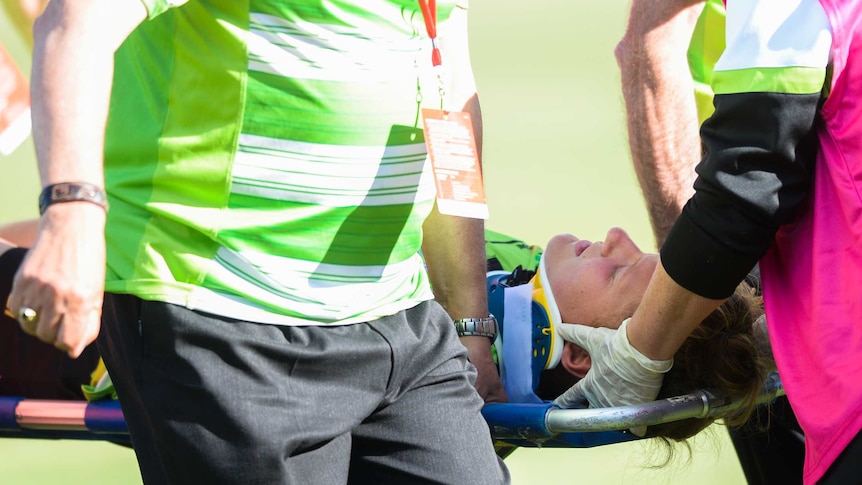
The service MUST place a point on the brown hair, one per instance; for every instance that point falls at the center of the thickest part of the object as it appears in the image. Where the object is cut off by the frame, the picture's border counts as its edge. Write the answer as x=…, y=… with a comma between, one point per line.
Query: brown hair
x=725, y=354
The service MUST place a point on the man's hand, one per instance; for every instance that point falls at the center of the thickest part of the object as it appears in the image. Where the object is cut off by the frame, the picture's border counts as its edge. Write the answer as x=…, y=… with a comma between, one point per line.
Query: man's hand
x=62, y=279
x=488, y=382
x=620, y=374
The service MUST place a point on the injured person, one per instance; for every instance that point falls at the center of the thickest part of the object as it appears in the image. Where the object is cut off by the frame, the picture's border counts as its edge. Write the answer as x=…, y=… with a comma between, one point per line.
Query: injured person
x=591, y=283
x=531, y=293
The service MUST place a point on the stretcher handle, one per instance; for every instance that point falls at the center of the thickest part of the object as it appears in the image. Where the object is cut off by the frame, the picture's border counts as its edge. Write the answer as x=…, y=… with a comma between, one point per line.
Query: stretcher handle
x=699, y=404
x=541, y=421
x=100, y=417
x=506, y=420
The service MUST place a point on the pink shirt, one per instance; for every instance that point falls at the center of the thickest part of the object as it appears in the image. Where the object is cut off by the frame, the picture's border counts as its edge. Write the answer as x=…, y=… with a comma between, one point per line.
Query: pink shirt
x=812, y=276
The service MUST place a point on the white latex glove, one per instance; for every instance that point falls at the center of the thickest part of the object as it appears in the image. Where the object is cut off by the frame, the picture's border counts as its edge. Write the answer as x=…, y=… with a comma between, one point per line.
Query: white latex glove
x=620, y=375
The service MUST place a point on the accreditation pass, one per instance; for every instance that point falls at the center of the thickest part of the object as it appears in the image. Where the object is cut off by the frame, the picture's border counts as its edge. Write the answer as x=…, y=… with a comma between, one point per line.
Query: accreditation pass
x=452, y=150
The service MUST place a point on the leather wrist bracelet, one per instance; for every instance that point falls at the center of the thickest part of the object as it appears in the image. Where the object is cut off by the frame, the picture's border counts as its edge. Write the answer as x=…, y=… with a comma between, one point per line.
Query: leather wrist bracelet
x=477, y=327
x=72, y=192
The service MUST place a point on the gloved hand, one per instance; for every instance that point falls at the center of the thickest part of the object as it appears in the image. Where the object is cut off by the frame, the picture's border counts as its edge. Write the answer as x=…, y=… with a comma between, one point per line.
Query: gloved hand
x=620, y=375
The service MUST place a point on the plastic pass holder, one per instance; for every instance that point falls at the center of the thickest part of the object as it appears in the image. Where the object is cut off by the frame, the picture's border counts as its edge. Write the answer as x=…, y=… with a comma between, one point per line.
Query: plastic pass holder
x=454, y=159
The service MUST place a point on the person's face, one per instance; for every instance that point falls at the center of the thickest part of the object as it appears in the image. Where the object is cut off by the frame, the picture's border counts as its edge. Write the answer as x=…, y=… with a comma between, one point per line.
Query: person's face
x=598, y=284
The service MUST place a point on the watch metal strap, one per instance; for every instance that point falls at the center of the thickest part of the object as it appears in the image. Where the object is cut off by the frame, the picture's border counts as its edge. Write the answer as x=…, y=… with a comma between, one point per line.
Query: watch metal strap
x=72, y=192
x=477, y=327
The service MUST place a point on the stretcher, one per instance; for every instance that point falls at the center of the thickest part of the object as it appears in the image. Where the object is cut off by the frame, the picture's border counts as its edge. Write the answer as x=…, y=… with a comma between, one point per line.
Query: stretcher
x=525, y=425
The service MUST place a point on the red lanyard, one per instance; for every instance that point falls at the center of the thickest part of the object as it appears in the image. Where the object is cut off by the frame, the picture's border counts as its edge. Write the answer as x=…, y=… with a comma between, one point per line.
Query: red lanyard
x=429, y=13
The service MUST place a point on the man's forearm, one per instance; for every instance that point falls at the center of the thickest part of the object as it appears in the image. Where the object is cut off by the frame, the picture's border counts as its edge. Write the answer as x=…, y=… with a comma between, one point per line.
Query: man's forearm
x=659, y=97
x=454, y=248
x=62, y=278
x=455, y=252
x=71, y=84
x=666, y=317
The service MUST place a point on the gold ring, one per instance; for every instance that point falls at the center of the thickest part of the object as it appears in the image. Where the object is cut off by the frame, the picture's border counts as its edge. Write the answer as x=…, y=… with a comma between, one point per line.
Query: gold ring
x=27, y=315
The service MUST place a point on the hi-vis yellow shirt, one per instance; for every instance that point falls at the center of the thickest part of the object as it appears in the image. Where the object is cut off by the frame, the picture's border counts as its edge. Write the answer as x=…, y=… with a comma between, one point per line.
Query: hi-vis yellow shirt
x=265, y=162
x=707, y=44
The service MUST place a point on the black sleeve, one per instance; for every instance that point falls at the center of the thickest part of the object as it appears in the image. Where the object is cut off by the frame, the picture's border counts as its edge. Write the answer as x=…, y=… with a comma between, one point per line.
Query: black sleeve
x=759, y=153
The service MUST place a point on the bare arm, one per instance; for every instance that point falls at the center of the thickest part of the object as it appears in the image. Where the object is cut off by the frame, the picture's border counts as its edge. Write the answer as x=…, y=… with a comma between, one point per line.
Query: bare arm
x=659, y=97
x=454, y=247
x=666, y=316
x=21, y=233
x=62, y=278
x=5, y=246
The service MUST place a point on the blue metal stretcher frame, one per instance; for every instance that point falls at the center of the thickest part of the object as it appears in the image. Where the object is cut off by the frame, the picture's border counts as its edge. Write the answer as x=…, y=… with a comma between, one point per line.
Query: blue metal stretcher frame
x=528, y=425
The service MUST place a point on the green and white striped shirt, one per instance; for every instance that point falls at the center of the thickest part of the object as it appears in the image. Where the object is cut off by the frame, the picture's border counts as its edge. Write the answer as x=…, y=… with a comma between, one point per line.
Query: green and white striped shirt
x=265, y=162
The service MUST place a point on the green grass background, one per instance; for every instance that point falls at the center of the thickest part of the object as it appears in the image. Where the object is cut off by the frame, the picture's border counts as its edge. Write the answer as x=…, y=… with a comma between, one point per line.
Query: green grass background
x=556, y=160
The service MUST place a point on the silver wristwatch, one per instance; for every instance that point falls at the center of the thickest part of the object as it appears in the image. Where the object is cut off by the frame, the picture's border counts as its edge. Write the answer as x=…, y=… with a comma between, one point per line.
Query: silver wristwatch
x=477, y=327
x=72, y=192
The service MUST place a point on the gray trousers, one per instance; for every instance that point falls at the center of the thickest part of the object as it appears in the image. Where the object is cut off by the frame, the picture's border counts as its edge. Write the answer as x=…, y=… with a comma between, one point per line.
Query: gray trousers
x=211, y=400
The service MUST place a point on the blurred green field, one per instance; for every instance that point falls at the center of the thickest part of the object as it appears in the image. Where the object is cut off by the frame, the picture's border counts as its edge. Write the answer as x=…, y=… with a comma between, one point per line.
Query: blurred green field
x=556, y=160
